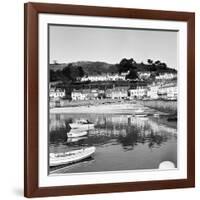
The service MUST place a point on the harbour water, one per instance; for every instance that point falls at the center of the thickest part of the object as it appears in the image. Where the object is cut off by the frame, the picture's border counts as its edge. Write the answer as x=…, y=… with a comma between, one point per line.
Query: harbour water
x=123, y=141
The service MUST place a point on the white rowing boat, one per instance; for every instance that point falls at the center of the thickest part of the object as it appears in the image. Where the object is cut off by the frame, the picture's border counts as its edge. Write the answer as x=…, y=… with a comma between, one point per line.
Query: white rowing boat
x=141, y=115
x=76, y=133
x=81, y=126
x=75, y=139
x=156, y=115
x=57, y=159
x=139, y=111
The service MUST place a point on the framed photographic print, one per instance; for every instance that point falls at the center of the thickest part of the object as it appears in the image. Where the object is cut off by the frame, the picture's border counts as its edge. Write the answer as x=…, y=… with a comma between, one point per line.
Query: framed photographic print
x=109, y=99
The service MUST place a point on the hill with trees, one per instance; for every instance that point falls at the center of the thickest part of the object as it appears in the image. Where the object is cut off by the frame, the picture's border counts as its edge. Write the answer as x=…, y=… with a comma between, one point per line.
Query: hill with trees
x=73, y=71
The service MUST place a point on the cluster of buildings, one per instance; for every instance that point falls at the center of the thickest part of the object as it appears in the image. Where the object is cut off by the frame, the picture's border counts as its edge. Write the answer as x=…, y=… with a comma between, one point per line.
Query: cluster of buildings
x=142, y=75
x=105, y=77
x=154, y=91
x=166, y=76
x=93, y=94
x=164, y=87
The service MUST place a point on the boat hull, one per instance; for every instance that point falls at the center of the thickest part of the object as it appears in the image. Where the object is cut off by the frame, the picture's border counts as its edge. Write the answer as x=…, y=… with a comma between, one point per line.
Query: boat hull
x=70, y=157
x=82, y=126
x=73, y=134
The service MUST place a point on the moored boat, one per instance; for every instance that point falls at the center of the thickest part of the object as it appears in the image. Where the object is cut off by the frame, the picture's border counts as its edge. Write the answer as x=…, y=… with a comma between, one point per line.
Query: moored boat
x=140, y=115
x=76, y=133
x=139, y=111
x=82, y=125
x=144, y=118
x=75, y=139
x=156, y=115
x=57, y=159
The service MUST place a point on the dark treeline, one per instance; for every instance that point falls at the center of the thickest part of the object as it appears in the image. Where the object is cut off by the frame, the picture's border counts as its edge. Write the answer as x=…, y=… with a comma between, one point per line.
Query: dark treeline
x=69, y=73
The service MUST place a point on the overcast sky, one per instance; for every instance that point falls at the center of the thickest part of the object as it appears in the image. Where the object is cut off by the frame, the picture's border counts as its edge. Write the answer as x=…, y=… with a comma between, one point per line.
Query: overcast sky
x=71, y=44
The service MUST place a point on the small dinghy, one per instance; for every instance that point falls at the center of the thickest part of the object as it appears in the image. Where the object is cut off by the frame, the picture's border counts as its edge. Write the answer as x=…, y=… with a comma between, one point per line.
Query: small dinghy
x=156, y=115
x=141, y=115
x=144, y=118
x=75, y=139
x=138, y=111
x=57, y=159
x=76, y=133
x=82, y=125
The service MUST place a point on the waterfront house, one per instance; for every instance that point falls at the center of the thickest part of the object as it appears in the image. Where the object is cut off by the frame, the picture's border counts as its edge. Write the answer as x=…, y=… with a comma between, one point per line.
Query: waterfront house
x=92, y=94
x=168, y=91
x=152, y=92
x=79, y=94
x=138, y=92
x=84, y=94
x=120, y=92
x=56, y=93
x=108, y=93
x=76, y=95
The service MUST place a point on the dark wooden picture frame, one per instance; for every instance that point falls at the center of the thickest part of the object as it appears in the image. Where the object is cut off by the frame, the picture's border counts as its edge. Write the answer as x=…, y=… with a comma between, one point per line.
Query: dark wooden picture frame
x=31, y=105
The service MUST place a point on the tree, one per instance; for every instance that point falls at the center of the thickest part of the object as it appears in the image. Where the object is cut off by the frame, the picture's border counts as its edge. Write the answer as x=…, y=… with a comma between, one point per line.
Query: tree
x=52, y=75
x=67, y=72
x=132, y=75
x=157, y=62
x=163, y=65
x=81, y=72
x=126, y=64
x=150, y=61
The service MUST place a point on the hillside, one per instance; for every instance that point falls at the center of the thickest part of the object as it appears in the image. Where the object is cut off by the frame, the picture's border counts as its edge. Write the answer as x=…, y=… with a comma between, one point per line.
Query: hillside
x=72, y=71
x=90, y=68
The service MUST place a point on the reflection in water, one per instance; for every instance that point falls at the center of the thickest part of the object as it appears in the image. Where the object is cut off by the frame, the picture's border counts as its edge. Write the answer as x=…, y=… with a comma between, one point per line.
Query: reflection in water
x=115, y=136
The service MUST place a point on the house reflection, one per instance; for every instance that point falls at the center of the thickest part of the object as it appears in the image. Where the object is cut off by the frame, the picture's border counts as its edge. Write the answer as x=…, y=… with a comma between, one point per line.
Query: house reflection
x=126, y=130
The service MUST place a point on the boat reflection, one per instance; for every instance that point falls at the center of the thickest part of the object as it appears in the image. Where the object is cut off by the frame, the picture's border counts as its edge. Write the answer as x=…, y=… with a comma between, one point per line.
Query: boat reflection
x=122, y=139
x=124, y=129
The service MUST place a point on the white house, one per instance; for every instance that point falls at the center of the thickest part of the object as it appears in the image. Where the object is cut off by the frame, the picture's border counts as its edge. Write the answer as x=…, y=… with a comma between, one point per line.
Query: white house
x=84, y=94
x=56, y=93
x=138, y=92
x=77, y=95
x=144, y=75
x=165, y=76
x=94, y=78
x=104, y=77
x=117, y=92
x=152, y=91
x=168, y=91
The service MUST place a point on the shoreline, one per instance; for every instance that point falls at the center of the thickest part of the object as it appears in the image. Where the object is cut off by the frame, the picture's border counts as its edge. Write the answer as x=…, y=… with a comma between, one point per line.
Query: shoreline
x=111, y=108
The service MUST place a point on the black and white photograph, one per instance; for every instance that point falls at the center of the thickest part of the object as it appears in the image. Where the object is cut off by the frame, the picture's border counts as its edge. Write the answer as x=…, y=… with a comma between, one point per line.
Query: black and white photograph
x=113, y=96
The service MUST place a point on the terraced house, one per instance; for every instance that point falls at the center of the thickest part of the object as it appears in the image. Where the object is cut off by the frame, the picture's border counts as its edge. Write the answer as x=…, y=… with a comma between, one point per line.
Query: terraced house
x=168, y=91
x=117, y=92
x=138, y=92
x=56, y=93
x=105, y=77
x=84, y=94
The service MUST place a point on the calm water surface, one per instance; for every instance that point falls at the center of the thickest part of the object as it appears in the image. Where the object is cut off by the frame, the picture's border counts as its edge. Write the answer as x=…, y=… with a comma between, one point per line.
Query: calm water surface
x=122, y=141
